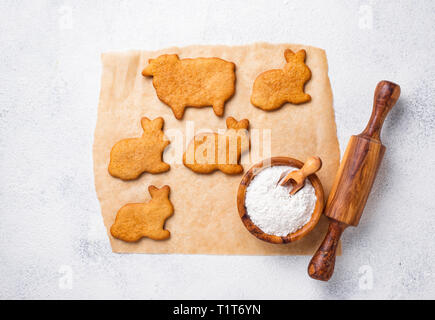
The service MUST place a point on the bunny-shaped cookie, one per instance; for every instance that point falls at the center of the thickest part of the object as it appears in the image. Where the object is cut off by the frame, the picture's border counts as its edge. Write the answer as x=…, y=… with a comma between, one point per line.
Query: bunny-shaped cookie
x=275, y=87
x=129, y=158
x=209, y=152
x=137, y=220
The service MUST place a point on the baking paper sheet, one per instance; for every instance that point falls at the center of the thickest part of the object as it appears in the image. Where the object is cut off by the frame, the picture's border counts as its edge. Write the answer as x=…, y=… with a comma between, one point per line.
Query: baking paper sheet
x=206, y=219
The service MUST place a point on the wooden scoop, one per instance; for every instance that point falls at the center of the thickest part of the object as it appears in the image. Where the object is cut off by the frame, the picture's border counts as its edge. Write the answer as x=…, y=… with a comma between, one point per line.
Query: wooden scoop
x=241, y=196
x=354, y=181
x=297, y=177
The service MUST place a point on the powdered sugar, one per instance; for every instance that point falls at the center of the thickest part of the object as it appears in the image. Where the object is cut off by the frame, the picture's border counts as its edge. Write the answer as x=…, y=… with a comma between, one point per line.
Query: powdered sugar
x=272, y=209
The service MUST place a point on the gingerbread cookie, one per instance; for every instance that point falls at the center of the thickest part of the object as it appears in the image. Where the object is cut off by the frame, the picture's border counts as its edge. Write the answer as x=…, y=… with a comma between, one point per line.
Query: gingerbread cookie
x=209, y=152
x=137, y=220
x=130, y=158
x=199, y=82
x=273, y=88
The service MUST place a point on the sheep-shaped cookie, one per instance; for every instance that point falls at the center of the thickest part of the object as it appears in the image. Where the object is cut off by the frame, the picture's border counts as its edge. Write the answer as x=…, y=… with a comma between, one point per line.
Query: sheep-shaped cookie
x=129, y=158
x=209, y=152
x=199, y=82
x=273, y=88
x=137, y=220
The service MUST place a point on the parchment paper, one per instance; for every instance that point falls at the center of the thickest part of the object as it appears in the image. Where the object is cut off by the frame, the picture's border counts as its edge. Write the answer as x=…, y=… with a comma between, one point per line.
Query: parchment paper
x=206, y=219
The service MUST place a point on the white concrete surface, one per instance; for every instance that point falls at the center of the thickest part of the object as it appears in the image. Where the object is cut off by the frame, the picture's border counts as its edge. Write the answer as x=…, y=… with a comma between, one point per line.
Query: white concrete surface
x=52, y=240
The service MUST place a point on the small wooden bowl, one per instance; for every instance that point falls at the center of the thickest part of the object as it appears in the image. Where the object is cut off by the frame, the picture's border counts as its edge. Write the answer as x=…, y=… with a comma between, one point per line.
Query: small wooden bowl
x=256, y=231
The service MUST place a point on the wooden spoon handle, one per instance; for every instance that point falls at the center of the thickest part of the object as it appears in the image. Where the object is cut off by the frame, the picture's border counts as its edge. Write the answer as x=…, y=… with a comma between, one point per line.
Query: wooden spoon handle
x=322, y=264
x=386, y=95
x=311, y=166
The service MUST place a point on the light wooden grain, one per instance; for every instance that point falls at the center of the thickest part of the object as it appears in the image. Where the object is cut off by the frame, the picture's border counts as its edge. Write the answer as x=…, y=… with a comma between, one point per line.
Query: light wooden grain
x=354, y=181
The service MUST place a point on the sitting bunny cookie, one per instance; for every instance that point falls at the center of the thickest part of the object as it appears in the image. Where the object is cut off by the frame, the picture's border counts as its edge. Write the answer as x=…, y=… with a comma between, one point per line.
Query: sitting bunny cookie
x=130, y=158
x=137, y=220
x=199, y=82
x=273, y=88
x=209, y=152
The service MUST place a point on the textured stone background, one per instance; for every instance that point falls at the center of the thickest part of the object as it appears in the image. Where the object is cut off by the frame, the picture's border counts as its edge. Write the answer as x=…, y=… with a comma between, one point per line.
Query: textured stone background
x=52, y=240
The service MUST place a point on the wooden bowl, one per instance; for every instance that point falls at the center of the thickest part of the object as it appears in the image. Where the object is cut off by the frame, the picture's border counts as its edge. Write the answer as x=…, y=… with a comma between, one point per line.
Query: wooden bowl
x=256, y=231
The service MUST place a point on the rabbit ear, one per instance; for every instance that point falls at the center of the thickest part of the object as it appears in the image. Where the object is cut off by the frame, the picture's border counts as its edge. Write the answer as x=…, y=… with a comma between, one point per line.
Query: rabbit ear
x=243, y=124
x=300, y=55
x=288, y=55
x=231, y=123
x=157, y=123
x=156, y=192
x=153, y=191
x=145, y=122
x=234, y=124
x=164, y=191
x=148, y=71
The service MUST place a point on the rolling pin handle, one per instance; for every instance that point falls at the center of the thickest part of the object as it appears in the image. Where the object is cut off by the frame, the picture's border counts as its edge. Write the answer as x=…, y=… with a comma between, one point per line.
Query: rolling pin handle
x=386, y=95
x=322, y=264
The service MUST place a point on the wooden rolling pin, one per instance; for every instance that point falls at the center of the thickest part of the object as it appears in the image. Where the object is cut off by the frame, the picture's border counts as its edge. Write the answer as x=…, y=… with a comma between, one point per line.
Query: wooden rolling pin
x=354, y=181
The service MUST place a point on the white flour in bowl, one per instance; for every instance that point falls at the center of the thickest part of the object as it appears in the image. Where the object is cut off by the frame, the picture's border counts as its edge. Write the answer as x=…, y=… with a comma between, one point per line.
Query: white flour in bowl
x=272, y=208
